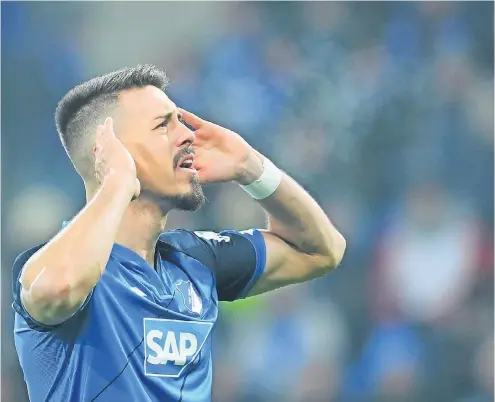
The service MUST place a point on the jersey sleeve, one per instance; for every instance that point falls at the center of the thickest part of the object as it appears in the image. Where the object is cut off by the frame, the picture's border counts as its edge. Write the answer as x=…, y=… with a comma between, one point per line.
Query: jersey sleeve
x=16, y=294
x=237, y=259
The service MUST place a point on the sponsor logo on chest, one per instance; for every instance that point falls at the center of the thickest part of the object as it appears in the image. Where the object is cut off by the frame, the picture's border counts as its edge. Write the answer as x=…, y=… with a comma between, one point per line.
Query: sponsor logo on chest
x=171, y=345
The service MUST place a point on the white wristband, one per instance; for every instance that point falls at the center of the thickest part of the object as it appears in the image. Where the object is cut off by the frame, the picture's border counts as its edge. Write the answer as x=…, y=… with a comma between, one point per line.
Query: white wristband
x=267, y=183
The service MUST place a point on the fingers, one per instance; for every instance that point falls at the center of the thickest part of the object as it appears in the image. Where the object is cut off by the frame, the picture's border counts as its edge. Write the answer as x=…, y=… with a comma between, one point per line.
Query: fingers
x=105, y=131
x=201, y=168
x=191, y=119
x=108, y=128
x=199, y=141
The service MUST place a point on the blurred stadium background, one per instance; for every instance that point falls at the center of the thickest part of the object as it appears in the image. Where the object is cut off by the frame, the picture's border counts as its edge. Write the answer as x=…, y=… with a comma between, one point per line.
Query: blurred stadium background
x=383, y=111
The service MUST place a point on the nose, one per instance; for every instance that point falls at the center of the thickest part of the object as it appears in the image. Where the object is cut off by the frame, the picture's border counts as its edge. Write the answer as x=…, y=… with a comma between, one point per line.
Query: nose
x=186, y=137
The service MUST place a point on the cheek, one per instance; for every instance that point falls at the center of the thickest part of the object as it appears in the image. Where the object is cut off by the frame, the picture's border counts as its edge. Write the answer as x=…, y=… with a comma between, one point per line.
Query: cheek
x=152, y=159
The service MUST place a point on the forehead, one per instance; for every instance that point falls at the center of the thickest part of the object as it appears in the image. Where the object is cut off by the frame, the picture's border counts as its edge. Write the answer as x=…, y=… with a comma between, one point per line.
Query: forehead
x=145, y=103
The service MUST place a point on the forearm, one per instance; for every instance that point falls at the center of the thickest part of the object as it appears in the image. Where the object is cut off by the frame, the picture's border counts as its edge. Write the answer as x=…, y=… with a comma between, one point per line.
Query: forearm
x=297, y=218
x=67, y=268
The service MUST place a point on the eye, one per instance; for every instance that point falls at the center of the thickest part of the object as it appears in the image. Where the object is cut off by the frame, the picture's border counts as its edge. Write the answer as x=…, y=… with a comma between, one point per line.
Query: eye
x=164, y=123
x=181, y=119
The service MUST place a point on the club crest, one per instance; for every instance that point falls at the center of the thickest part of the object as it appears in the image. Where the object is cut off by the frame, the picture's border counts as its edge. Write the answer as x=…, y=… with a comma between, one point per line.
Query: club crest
x=191, y=299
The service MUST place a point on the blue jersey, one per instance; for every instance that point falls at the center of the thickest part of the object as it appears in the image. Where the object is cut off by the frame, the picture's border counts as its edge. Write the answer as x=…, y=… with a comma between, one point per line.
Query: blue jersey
x=143, y=334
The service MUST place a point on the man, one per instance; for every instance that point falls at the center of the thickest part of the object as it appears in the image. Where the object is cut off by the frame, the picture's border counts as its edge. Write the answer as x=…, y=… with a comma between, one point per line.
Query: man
x=115, y=309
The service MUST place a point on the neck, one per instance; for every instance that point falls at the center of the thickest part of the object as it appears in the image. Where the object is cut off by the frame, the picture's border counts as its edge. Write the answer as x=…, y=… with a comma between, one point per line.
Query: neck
x=143, y=222
x=141, y=225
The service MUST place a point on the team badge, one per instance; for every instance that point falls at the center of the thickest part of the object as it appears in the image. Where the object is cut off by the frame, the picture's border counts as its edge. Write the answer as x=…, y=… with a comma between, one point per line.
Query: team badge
x=191, y=299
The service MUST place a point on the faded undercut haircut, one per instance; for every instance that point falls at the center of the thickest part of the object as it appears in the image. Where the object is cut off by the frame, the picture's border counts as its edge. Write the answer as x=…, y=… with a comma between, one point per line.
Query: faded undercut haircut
x=88, y=104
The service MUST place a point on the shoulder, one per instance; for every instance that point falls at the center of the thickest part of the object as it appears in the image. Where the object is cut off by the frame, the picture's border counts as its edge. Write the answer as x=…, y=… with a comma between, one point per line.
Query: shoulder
x=192, y=243
x=236, y=258
x=186, y=240
x=213, y=248
x=207, y=243
x=208, y=247
x=183, y=239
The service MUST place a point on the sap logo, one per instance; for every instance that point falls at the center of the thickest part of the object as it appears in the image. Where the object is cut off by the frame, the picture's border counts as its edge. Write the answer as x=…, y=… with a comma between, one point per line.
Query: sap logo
x=171, y=351
x=171, y=345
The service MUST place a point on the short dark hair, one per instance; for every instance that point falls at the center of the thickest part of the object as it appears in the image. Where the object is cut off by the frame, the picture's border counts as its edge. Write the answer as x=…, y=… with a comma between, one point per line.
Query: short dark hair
x=83, y=107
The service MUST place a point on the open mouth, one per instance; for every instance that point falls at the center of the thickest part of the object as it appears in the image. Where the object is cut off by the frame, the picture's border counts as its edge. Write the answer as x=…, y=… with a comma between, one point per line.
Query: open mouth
x=186, y=162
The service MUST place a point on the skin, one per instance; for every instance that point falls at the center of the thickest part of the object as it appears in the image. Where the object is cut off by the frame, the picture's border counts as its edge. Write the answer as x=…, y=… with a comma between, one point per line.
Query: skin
x=137, y=183
x=150, y=129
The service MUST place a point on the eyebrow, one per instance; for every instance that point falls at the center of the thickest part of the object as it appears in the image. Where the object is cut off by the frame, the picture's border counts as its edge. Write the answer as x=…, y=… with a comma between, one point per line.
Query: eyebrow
x=164, y=116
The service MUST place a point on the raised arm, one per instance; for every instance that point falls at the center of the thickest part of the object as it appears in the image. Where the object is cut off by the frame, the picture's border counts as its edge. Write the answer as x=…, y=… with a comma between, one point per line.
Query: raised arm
x=301, y=242
x=59, y=277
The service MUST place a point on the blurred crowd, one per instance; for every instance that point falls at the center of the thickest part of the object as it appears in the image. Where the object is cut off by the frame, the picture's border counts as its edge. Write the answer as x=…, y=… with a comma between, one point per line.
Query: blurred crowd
x=382, y=111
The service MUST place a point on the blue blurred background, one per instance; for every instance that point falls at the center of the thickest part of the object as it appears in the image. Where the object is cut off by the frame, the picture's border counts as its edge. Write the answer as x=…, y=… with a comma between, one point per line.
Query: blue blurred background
x=383, y=111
